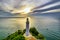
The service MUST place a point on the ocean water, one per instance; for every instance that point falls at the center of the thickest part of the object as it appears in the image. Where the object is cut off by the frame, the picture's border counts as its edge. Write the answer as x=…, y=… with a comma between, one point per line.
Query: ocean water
x=46, y=25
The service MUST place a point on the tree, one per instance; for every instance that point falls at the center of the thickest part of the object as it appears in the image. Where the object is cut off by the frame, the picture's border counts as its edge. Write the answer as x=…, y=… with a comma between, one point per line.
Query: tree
x=20, y=37
x=33, y=31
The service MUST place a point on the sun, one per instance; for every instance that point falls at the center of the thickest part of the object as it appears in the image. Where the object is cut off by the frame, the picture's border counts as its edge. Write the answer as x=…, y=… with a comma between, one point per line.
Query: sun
x=23, y=10
x=27, y=10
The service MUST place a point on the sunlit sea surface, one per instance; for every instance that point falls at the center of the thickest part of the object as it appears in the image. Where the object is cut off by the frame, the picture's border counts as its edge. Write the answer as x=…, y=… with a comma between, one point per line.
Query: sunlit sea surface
x=48, y=26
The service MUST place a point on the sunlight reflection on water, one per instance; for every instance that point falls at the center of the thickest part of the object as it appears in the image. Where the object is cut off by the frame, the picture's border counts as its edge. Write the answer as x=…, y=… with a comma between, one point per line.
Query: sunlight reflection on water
x=45, y=25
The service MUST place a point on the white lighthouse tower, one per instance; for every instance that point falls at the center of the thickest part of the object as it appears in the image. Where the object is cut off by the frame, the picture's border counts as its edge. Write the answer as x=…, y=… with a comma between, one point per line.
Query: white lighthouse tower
x=27, y=27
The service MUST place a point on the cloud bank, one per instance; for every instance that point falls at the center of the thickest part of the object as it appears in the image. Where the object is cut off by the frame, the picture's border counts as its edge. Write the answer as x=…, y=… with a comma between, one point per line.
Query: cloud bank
x=9, y=5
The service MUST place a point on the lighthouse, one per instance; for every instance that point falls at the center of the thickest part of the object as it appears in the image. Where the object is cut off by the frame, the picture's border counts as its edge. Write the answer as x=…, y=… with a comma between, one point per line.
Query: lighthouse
x=27, y=27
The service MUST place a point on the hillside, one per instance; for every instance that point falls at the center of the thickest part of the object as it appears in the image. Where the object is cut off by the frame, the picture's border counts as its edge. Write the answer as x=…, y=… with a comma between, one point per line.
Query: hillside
x=18, y=35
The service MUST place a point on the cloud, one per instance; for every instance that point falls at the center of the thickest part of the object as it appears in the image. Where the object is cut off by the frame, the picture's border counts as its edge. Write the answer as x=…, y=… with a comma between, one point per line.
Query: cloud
x=49, y=6
x=8, y=5
x=55, y=10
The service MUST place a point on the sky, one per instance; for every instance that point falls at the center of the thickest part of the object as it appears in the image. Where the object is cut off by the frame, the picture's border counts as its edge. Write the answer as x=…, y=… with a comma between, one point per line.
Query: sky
x=48, y=9
x=40, y=6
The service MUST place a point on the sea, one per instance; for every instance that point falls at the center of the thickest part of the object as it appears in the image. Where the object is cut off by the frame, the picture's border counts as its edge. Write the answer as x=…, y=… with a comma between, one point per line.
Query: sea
x=47, y=24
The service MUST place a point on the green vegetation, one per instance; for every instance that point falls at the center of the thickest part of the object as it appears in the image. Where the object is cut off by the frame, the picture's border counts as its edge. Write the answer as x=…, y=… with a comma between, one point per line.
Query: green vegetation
x=36, y=34
x=18, y=35
x=33, y=31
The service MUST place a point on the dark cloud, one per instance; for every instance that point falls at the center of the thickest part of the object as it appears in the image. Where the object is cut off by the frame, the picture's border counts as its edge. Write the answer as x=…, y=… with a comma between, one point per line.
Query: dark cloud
x=8, y=5
x=51, y=2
